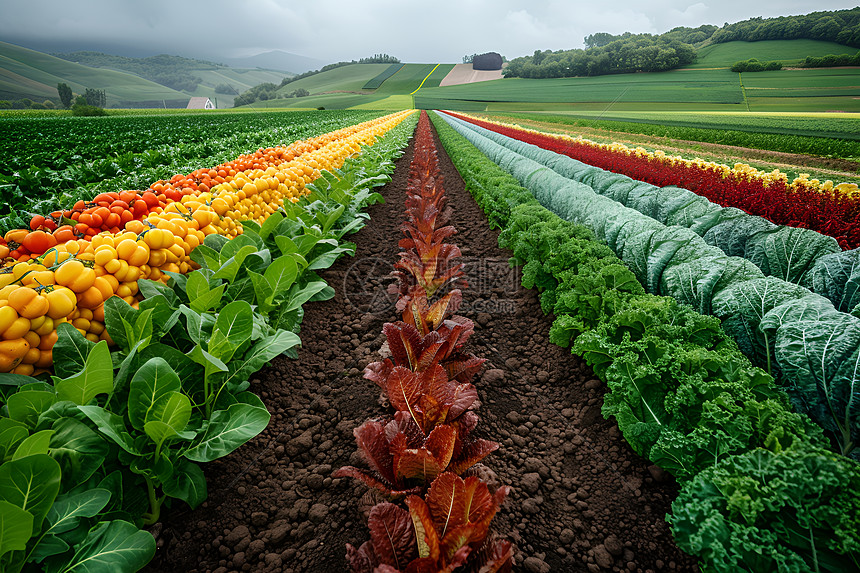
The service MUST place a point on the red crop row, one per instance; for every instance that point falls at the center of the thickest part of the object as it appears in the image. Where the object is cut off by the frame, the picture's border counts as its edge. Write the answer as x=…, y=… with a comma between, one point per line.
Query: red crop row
x=833, y=214
x=422, y=455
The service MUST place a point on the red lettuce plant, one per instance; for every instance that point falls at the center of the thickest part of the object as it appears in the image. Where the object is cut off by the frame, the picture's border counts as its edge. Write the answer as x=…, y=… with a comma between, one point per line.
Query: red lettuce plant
x=437, y=533
x=428, y=441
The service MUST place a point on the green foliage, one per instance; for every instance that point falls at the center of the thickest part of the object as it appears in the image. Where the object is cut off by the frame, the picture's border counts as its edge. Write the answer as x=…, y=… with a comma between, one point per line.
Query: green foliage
x=831, y=60
x=841, y=26
x=754, y=473
x=37, y=176
x=89, y=458
x=772, y=511
x=84, y=110
x=753, y=65
x=624, y=54
x=95, y=98
x=65, y=93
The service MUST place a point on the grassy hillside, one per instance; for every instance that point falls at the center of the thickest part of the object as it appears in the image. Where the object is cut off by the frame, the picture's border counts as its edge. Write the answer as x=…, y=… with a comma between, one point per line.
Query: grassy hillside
x=787, y=51
x=27, y=73
x=345, y=78
x=410, y=76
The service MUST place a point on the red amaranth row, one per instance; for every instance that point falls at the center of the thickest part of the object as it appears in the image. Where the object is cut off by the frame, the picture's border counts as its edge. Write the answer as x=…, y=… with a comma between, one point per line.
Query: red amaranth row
x=831, y=214
x=422, y=455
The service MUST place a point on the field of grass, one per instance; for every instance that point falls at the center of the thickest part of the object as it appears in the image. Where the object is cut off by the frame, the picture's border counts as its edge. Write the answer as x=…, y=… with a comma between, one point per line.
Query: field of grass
x=384, y=75
x=786, y=51
x=410, y=76
x=346, y=78
x=666, y=87
x=28, y=73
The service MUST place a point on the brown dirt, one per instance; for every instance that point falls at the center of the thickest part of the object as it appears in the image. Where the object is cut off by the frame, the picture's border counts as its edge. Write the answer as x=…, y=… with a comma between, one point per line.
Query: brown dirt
x=833, y=167
x=581, y=501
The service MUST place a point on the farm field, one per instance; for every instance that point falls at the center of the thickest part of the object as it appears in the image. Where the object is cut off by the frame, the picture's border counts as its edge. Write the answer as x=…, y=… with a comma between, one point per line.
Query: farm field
x=258, y=340
x=786, y=51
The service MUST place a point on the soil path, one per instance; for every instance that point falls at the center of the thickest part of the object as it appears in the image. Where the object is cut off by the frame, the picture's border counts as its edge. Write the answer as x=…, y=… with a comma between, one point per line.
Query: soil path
x=466, y=74
x=581, y=501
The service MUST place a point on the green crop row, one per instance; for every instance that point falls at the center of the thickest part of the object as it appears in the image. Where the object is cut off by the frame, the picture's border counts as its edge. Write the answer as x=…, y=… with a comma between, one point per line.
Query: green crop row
x=814, y=349
x=759, y=490
x=42, y=179
x=93, y=453
x=824, y=139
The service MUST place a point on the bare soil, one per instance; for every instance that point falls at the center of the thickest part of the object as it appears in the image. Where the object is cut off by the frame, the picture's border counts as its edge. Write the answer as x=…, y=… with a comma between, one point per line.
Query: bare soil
x=581, y=500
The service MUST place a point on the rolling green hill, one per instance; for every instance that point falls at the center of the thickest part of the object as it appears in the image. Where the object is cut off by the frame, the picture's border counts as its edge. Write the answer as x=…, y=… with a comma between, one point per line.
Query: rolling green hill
x=35, y=75
x=26, y=73
x=786, y=51
x=346, y=78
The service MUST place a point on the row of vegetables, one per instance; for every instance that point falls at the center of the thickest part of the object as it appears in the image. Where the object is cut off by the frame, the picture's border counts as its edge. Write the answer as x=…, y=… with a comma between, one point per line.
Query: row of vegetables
x=160, y=229
x=50, y=163
x=94, y=451
x=761, y=490
x=832, y=210
x=802, y=339
x=421, y=457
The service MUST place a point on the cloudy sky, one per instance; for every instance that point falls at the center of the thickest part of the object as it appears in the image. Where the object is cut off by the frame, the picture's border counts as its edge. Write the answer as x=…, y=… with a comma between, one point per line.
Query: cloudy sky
x=333, y=30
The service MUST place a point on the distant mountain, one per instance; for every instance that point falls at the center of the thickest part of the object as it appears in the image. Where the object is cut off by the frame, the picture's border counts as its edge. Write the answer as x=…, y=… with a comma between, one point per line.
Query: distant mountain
x=276, y=60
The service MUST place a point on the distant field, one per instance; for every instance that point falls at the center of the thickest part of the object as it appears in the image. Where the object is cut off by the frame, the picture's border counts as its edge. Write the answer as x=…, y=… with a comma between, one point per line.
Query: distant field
x=346, y=78
x=386, y=73
x=838, y=125
x=786, y=51
x=411, y=75
x=666, y=87
x=28, y=73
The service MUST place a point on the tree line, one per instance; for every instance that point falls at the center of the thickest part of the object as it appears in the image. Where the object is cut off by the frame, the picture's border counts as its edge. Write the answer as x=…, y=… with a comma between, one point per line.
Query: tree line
x=606, y=53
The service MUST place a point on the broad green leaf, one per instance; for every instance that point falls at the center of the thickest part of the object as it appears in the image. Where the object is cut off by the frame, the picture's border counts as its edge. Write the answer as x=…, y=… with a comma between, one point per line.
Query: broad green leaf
x=270, y=224
x=216, y=241
x=238, y=244
x=228, y=429
x=201, y=295
x=281, y=274
x=187, y=483
x=120, y=318
x=233, y=328
x=163, y=316
x=309, y=292
x=151, y=289
x=11, y=433
x=16, y=527
x=68, y=510
x=209, y=362
x=837, y=277
x=11, y=383
x=206, y=257
x=26, y=406
x=38, y=443
x=821, y=360
x=286, y=245
x=231, y=265
x=152, y=381
x=261, y=353
x=96, y=378
x=79, y=450
x=328, y=258
x=110, y=547
x=263, y=291
x=111, y=426
x=168, y=418
x=31, y=483
x=70, y=351
x=188, y=371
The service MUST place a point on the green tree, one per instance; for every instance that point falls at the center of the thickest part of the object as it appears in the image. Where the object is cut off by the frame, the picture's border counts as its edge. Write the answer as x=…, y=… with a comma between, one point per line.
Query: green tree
x=95, y=97
x=65, y=94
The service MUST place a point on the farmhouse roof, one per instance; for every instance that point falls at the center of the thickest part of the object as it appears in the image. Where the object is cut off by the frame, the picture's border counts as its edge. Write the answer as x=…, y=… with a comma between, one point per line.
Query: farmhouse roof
x=200, y=103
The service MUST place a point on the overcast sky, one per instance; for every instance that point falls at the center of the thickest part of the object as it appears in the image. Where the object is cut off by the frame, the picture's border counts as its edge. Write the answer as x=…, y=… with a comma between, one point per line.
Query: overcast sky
x=333, y=30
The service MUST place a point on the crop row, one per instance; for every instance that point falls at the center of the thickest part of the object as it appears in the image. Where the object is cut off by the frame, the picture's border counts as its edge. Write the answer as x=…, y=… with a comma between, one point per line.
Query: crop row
x=96, y=450
x=422, y=455
x=801, y=338
x=760, y=133
x=799, y=256
x=759, y=490
x=39, y=175
x=804, y=203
